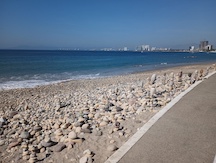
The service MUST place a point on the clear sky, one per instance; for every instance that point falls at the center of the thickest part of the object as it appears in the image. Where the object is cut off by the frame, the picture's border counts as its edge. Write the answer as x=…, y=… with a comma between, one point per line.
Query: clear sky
x=88, y=24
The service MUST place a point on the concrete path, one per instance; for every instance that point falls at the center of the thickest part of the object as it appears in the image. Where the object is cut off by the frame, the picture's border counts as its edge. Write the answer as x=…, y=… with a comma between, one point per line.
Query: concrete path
x=185, y=134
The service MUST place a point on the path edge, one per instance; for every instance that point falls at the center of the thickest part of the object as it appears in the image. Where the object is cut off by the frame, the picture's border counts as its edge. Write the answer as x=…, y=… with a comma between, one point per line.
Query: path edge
x=117, y=155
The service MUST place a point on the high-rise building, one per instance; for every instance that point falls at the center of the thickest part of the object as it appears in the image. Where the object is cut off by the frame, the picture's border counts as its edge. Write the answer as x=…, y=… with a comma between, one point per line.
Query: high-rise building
x=209, y=47
x=145, y=48
x=203, y=45
x=191, y=48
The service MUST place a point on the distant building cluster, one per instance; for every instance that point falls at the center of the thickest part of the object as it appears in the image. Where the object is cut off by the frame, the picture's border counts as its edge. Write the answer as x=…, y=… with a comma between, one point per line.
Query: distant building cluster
x=203, y=46
x=145, y=48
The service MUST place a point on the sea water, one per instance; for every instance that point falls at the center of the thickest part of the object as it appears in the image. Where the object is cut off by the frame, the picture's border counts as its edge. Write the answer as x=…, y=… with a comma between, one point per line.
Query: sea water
x=29, y=68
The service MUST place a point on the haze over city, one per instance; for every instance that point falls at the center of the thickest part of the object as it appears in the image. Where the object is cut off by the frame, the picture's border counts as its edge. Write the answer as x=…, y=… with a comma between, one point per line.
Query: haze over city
x=100, y=24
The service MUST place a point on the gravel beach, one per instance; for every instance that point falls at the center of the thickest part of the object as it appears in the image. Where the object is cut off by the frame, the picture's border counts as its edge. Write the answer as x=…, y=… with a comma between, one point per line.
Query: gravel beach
x=86, y=120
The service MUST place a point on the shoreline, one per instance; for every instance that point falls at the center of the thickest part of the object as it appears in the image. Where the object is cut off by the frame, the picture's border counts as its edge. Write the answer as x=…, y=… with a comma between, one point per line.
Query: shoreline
x=108, y=77
x=91, y=118
x=48, y=83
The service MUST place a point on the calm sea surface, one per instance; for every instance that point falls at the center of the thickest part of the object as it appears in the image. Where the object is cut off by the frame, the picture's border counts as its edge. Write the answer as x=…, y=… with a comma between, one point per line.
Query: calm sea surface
x=28, y=68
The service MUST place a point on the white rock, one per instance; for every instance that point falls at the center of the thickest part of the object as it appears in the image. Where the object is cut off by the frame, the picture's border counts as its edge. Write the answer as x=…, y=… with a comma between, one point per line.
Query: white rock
x=153, y=79
x=112, y=147
x=81, y=119
x=78, y=129
x=72, y=135
x=97, y=115
x=87, y=152
x=121, y=133
x=112, y=141
x=2, y=119
x=103, y=123
x=83, y=159
x=85, y=126
x=139, y=110
x=152, y=91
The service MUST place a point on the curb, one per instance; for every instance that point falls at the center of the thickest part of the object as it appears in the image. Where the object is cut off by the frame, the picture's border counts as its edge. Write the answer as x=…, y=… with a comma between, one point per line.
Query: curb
x=214, y=159
x=115, y=157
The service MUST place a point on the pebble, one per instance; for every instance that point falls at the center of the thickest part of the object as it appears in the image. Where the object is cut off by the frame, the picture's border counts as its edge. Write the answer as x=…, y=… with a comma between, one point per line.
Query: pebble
x=24, y=135
x=42, y=150
x=56, y=126
x=98, y=133
x=77, y=140
x=48, y=143
x=72, y=135
x=112, y=147
x=12, y=114
x=87, y=152
x=2, y=142
x=121, y=133
x=103, y=123
x=131, y=101
x=139, y=110
x=153, y=79
x=152, y=92
x=1, y=130
x=138, y=121
x=26, y=157
x=13, y=144
x=33, y=158
x=69, y=146
x=37, y=128
x=112, y=141
x=78, y=129
x=128, y=131
x=3, y=120
x=118, y=109
x=58, y=148
x=83, y=159
x=58, y=132
x=85, y=126
x=86, y=130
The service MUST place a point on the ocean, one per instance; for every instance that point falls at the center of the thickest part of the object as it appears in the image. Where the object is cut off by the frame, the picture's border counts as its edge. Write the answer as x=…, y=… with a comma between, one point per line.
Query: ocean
x=29, y=68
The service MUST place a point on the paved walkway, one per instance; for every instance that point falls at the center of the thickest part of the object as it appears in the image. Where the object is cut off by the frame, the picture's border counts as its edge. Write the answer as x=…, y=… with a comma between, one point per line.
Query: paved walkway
x=185, y=134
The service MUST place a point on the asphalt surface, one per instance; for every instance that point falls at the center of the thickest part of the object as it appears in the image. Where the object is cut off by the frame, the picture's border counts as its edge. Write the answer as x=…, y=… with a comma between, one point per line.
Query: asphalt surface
x=185, y=134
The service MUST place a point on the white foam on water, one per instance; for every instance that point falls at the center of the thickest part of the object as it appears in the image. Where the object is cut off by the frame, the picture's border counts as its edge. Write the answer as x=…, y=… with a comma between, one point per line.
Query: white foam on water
x=36, y=81
x=22, y=84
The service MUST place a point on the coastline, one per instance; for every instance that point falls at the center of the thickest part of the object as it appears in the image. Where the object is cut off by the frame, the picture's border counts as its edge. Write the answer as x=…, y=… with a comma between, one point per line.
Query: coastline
x=28, y=78
x=154, y=70
x=54, y=106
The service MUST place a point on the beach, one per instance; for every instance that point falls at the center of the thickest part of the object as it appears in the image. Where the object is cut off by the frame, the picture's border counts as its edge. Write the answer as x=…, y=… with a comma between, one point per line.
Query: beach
x=86, y=120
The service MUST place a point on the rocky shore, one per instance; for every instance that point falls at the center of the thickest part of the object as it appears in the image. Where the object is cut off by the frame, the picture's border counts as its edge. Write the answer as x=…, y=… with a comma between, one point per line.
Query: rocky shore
x=85, y=120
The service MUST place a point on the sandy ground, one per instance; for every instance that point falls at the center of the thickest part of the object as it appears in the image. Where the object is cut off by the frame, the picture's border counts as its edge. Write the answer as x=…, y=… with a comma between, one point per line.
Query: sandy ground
x=102, y=113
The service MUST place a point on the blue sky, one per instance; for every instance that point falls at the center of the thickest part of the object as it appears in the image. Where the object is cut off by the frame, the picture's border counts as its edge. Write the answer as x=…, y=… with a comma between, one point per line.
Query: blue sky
x=84, y=24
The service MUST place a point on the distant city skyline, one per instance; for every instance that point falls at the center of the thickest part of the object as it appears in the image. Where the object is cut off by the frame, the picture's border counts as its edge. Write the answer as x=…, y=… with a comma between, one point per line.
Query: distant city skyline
x=106, y=24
